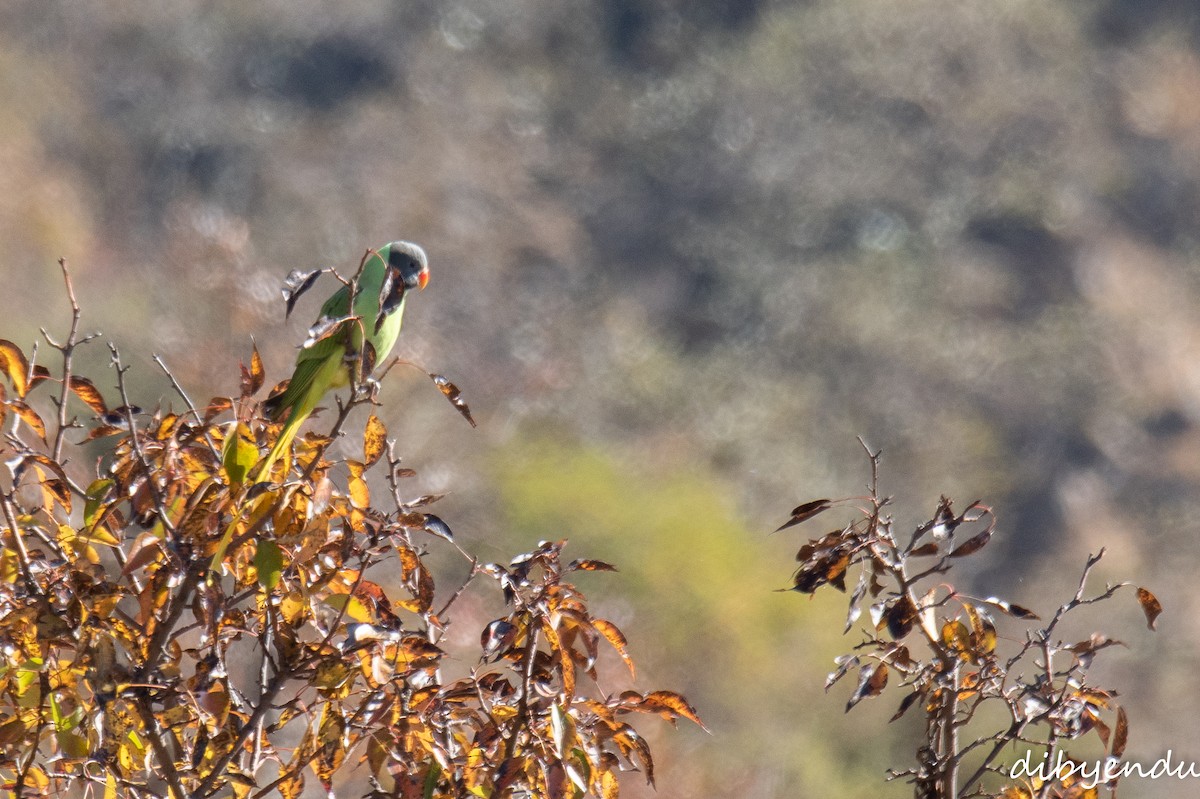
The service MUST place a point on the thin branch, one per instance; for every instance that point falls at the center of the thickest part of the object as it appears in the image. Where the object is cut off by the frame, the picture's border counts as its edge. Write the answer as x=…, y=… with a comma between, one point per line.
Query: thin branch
x=191, y=406
x=135, y=442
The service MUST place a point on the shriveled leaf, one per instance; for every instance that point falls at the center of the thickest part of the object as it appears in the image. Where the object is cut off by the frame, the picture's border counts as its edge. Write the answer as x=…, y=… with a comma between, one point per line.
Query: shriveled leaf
x=871, y=682
x=972, y=544
x=373, y=595
x=803, y=513
x=616, y=640
x=295, y=284
x=366, y=360
x=905, y=704
x=1150, y=606
x=590, y=566
x=146, y=549
x=374, y=441
x=423, y=500
x=925, y=550
x=15, y=366
x=1011, y=608
x=854, y=607
x=1086, y=650
x=669, y=704
x=325, y=327
x=1120, y=734
x=42, y=463
x=844, y=663
x=391, y=294
x=610, y=787
x=901, y=617
x=252, y=378
x=835, y=570
x=87, y=391
x=435, y=526
x=59, y=492
x=454, y=395
x=217, y=406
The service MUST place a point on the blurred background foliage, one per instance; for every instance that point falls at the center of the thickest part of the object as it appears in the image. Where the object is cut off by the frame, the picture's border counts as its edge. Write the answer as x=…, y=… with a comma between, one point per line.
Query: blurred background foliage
x=682, y=254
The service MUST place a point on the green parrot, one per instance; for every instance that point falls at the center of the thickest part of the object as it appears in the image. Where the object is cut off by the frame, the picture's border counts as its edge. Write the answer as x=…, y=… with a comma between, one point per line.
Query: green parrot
x=383, y=285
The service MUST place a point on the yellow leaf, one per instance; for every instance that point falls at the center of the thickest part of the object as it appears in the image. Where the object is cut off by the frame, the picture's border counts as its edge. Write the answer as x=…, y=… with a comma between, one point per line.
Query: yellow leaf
x=334, y=679
x=87, y=391
x=354, y=609
x=956, y=637
x=360, y=495
x=29, y=417
x=374, y=441
x=617, y=640
x=35, y=776
x=291, y=606
x=13, y=363
x=610, y=787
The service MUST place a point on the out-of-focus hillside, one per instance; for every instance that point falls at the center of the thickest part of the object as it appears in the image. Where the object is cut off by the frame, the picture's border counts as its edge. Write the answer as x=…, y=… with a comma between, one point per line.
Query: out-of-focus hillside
x=682, y=254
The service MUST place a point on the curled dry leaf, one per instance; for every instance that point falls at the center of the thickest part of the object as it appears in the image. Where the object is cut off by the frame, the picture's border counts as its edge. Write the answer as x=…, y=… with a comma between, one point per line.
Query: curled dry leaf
x=295, y=284
x=1121, y=734
x=454, y=395
x=590, y=566
x=1150, y=606
x=803, y=513
x=670, y=704
x=616, y=640
x=905, y=704
x=1011, y=608
x=325, y=327
x=252, y=378
x=435, y=526
x=871, y=682
x=972, y=544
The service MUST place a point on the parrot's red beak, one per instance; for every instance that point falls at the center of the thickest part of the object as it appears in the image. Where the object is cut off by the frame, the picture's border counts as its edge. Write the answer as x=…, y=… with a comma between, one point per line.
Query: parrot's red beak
x=423, y=279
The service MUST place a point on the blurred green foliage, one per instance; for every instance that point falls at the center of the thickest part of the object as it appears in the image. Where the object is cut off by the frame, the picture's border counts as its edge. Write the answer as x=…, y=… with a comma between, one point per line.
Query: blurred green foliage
x=695, y=580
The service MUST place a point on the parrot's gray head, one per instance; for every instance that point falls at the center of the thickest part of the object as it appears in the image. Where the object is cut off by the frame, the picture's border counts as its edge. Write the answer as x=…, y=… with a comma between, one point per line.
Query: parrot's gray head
x=409, y=260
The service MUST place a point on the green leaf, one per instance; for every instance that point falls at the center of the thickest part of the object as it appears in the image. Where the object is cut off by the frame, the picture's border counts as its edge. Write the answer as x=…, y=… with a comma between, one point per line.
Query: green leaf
x=96, y=493
x=239, y=454
x=268, y=560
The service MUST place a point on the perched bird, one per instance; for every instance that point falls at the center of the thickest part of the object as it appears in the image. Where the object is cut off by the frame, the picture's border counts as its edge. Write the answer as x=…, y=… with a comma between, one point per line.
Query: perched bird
x=383, y=285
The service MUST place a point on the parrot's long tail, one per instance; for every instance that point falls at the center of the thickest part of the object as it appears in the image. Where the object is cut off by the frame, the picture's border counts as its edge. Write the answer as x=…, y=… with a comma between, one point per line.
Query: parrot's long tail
x=264, y=471
x=290, y=428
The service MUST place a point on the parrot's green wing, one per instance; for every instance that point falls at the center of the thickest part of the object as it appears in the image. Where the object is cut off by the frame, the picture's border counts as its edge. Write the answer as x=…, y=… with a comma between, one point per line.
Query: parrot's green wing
x=391, y=270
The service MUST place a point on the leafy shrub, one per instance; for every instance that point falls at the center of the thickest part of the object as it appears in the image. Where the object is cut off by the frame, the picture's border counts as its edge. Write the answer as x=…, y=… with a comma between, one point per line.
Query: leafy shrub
x=142, y=657
x=945, y=651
